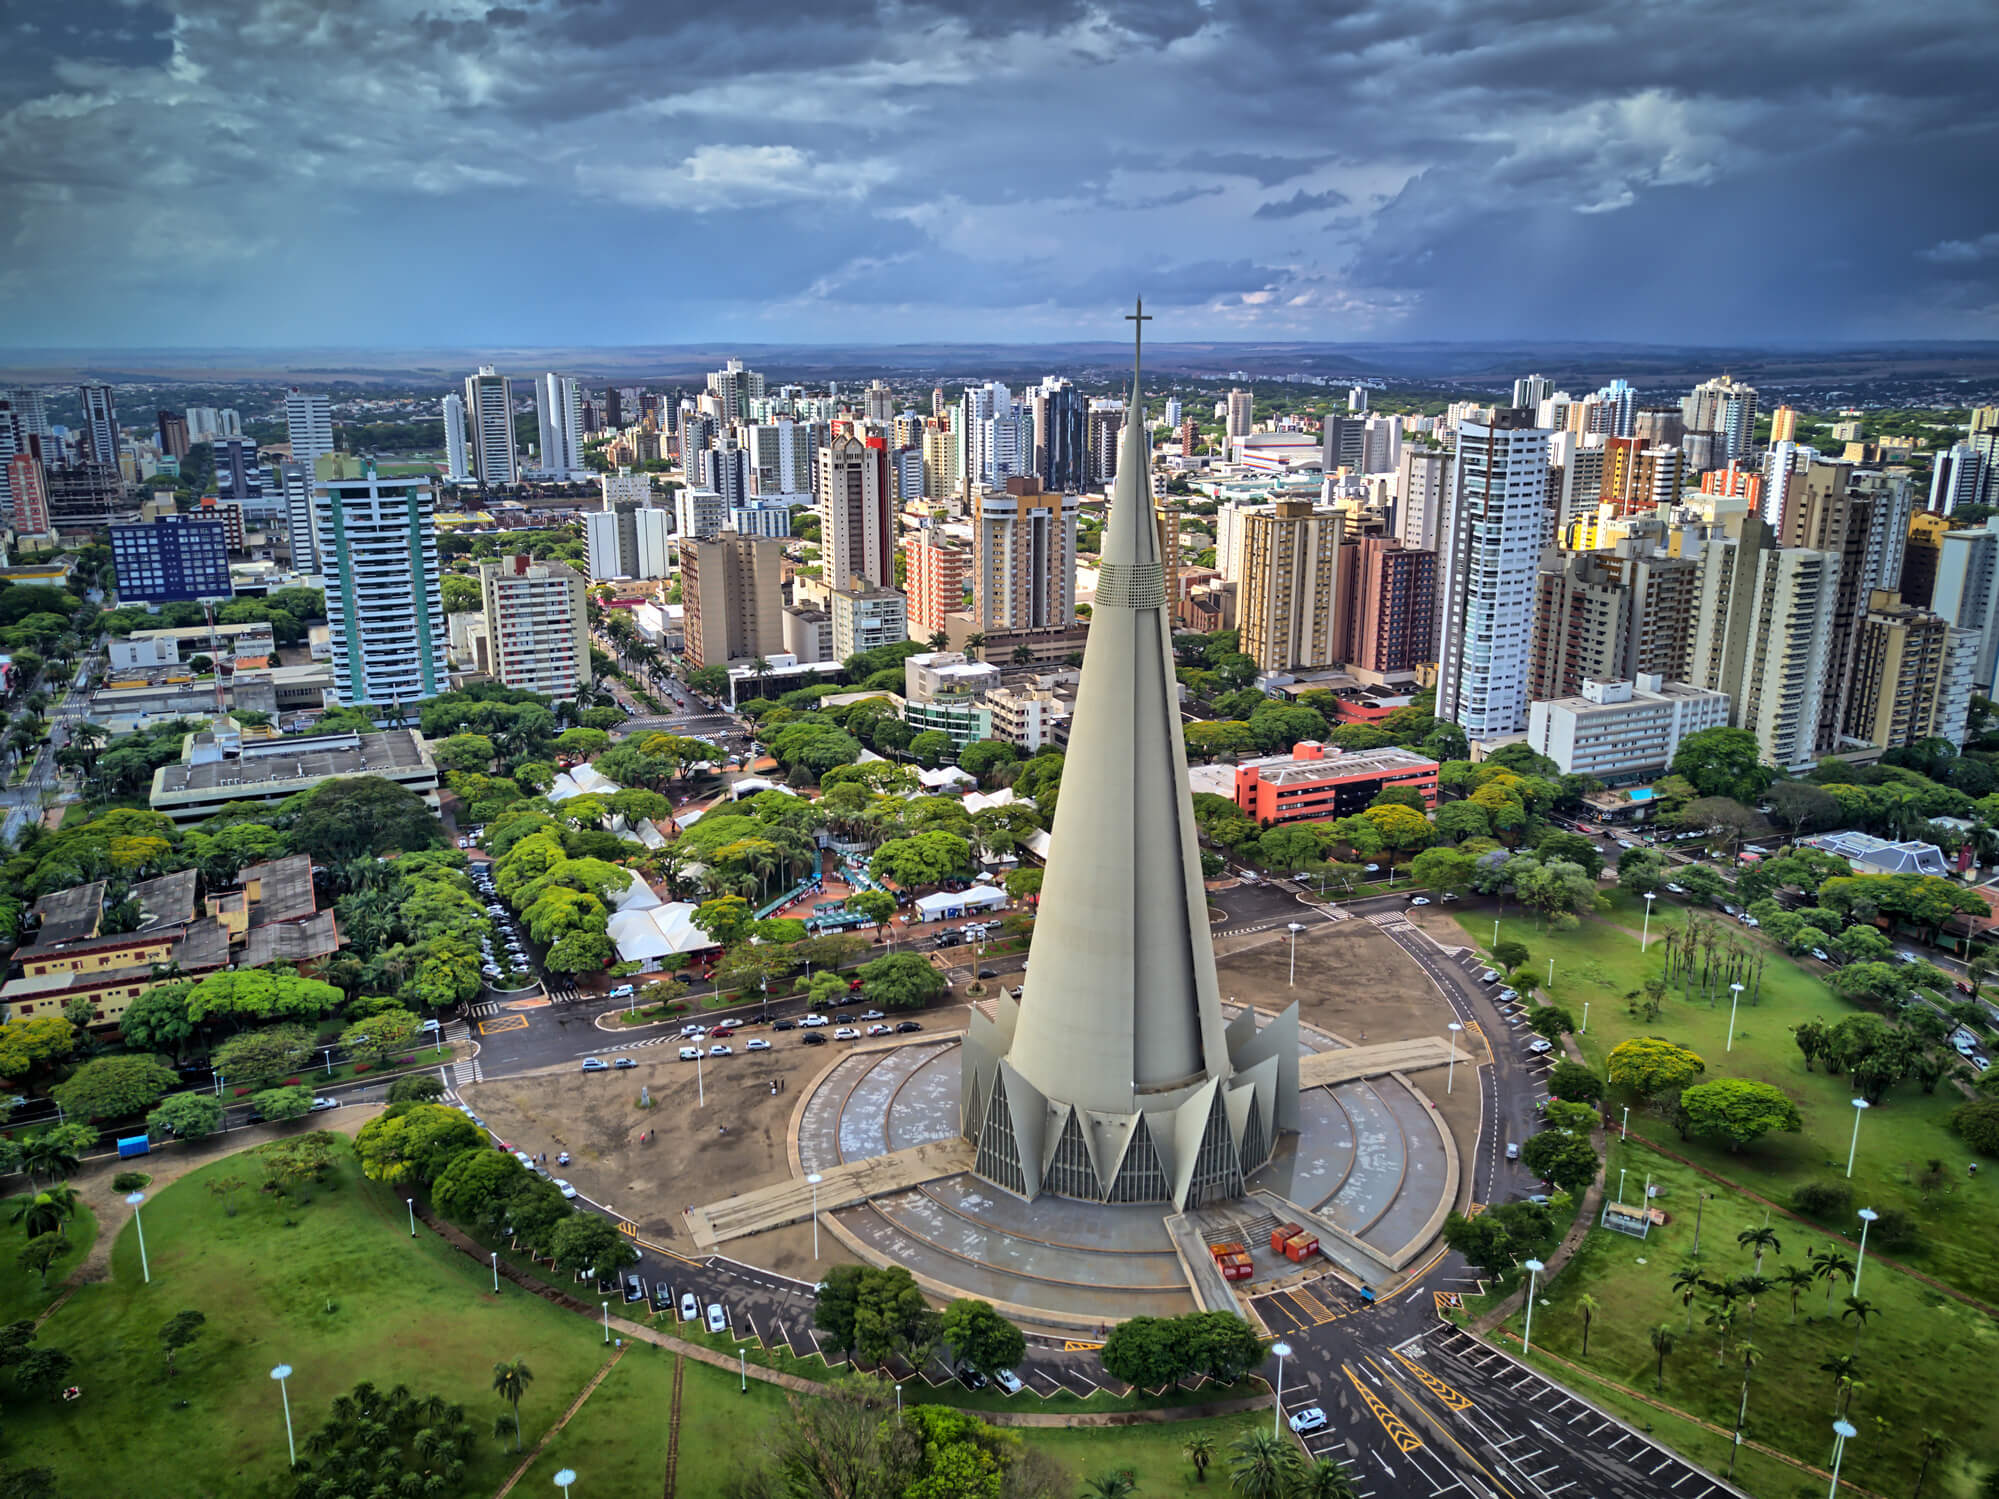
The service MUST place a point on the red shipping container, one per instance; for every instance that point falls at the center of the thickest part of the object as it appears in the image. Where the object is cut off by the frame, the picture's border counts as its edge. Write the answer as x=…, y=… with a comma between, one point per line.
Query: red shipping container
x=1281, y=1235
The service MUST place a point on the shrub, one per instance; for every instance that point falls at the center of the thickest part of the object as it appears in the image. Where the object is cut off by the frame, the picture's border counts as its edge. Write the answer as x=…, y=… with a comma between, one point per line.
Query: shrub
x=1978, y=1122
x=1895, y=1229
x=130, y=1181
x=1823, y=1199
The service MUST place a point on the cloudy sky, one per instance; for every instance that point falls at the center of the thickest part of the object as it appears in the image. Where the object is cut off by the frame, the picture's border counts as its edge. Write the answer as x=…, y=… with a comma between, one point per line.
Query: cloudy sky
x=402, y=172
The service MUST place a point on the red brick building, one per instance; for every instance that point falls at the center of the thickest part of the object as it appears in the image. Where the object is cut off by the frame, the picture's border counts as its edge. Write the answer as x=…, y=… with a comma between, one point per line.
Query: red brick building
x=1317, y=784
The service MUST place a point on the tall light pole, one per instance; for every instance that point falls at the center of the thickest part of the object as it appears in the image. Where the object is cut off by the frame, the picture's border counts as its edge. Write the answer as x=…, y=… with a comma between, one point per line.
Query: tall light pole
x=814, y=1179
x=564, y=1479
x=1583, y=1029
x=1495, y=931
x=1737, y=987
x=1645, y=937
x=1867, y=1216
x=743, y=1354
x=1534, y=1268
x=1283, y=1351
x=1841, y=1430
x=282, y=1373
x=1860, y=1107
x=410, y=1203
x=144, y=1269
x=607, y=1323
x=1624, y=1129
x=700, y=1088
x=496, y=1271
x=1620, y=1184
x=1296, y=928
x=1451, y=1072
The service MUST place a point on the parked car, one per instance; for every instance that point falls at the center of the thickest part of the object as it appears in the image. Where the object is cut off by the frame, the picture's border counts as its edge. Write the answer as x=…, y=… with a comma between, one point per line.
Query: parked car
x=1311, y=1418
x=1676, y=889
x=731, y=1024
x=563, y=1187
x=784, y=1025
x=905, y=1027
x=1821, y=954
x=1490, y=976
x=1009, y=1381
x=635, y=1289
x=873, y=1015
x=693, y=1032
x=623, y=991
x=756, y=1043
x=812, y=1039
x=718, y=1320
x=721, y=1049
x=1540, y=1046
x=690, y=1053
x=689, y=1307
x=620, y=1063
x=812, y=1022
x=972, y=1379
x=879, y=1029
x=596, y=1064
x=1908, y=957
x=846, y=1033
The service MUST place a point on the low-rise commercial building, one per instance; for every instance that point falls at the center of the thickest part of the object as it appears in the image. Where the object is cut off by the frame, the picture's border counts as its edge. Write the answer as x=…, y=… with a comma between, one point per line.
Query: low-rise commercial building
x=864, y=618
x=1622, y=730
x=218, y=766
x=1317, y=784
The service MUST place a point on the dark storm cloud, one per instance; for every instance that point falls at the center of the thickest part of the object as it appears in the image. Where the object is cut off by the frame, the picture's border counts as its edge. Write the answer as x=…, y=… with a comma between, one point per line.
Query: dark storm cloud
x=383, y=171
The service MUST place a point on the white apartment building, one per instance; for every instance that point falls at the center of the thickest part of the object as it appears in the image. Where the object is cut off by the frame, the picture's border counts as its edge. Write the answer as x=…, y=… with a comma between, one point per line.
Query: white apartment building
x=1241, y=415
x=309, y=428
x=558, y=401
x=625, y=488
x=1966, y=593
x=537, y=634
x=1493, y=538
x=856, y=514
x=454, y=439
x=761, y=518
x=384, y=605
x=1232, y=533
x=1623, y=731
x=630, y=541
x=489, y=402
x=867, y=617
x=1029, y=718
x=700, y=512
x=1422, y=493
x=780, y=458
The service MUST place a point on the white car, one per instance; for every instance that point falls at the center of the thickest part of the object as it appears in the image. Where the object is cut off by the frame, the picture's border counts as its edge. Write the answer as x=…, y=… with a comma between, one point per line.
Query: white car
x=693, y=1032
x=812, y=1022
x=846, y=1033
x=1009, y=1381
x=1676, y=889
x=1540, y=1045
x=730, y=1024
x=1419, y=900
x=873, y=1015
x=720, y=1049
x=1311, y=1418
x=718, y=1320
x=881, y=1030
x=756, y=1043
x=563, y=1187
x=690, y=1053
x=690, y=1309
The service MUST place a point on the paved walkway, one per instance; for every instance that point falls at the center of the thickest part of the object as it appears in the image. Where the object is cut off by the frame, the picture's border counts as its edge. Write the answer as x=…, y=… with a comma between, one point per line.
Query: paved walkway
x=527, y=1459
x=1323, y=1069
x=840, y=1186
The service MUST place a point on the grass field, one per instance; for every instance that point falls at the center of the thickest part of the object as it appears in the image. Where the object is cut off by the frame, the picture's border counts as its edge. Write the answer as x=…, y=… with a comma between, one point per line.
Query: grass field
x=21, y=1294
x=1926, y=1361
x=1151, y=1451
x=1601, y=965
x=335, y=1287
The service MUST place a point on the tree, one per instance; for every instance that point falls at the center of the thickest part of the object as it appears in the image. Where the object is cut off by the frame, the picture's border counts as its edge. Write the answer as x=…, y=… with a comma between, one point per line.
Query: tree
x=1662, y=1338
x=1119, y=1483
x=415, y=1142
x=1575, y=1082
x=1651, y=1066
x=354, y=817
x=1760, y=1238
x=1723, y=762
x=901, y=981
x=727, y=919
x=876, y=1314
x=43, y=1371
x=56, y=1150
x=1324, y=1478
x=27, y=1045
x=381, y=1034
x=1220, y=1345
x=1587, y=1306
x=1978, y=1123
x=1262, y=1465
x=476, y=1188
x=179, y=1330
x=186, y=1116
x=115, y=1087
x=981, y=1339
x=1145, y=1352
x=1560, y=1157
x=584, y=1241
x=1934, y=1445
x=1199, y=1449
x=1738, y=1111
x=40, y=1252
x=1552, y=1022
x=1442, y=869
x=417, y=1087
x=510, y=1382
x=1640, y=871
x=281, y=1105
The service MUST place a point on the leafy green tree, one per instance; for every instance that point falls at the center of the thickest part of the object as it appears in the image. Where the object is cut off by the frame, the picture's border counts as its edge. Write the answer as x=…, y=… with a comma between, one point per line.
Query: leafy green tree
x=281, y=1105
x=727, y=919
x=381, y=1034
x=1442, y=869
x=1551, y=1021
x=417, y=1087
x=186, y=1116
x=29, y=1045
x=46, y=1212
x=476, y=1188
x=357, y=816
x=41, y=1252
x=901, y=981
x=1651, y=1066
x=1723, y=763
x=115, y=1087
x=1737, y=1110
x=1147, y=1353
x=1560, y=1157
x=1575, y=1082
x=1641, y=870
x=1220, y=1345
x=980, y=1338
x=415, y=1142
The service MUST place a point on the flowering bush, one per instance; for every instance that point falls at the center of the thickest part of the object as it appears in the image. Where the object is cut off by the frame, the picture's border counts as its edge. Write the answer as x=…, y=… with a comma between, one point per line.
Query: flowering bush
x=359, y=1068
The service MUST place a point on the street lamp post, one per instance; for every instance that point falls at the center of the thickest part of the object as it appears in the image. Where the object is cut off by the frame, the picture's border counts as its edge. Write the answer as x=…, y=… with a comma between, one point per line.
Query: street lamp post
x=1645, y=937
x=1620, y=1185
x=743, y=1355
x=1699, y=1209
x=1731, y=1016
x=1534, y=1268
x=1867, y=1216
x=1551, y=975
x=1495, y=931
x=814, y=1179
x=144, y=1269
x=1860, y=1107
x=1283, y=1351
x=496, y=1270
x=1625, y=1128
x=1296, y=928
x=1451, y=1072
x=1583, y=1029
x=607, y=1322
x=282, y=1373
x=410, y=1203
x=564, y=1479
x=1841, y=1430
x=700, y=1087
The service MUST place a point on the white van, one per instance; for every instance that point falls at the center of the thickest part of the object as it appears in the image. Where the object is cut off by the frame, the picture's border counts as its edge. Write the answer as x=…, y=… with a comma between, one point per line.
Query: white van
x=623, y=991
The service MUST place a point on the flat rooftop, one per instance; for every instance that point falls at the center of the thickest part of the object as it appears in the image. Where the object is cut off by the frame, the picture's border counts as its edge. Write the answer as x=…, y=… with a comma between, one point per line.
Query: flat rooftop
x=1389, y=760
x=360, y=755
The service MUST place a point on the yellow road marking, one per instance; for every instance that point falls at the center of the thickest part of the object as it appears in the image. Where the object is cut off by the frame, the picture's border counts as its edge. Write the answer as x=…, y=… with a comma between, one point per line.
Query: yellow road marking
x=1434, y=1385
x=1448, y=1301
x=503, y=1023
x=1437, y=1425
x=625, y=1226
x=528, y=1004
x=1405, y=1440
x=1311, y=1304
x=1073, y=1346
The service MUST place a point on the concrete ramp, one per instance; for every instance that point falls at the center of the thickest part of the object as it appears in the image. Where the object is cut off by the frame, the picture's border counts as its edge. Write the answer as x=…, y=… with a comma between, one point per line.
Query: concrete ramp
x=1322, y=1069
x=1363, y=1263
x=840, y=1187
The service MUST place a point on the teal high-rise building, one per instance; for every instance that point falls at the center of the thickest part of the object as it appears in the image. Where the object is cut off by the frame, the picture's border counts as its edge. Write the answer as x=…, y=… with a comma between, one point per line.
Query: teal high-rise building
x=384, y=603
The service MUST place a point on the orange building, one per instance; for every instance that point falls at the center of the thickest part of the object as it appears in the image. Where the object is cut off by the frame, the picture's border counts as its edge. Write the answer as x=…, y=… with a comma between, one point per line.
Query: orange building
x=1317, y=784
x=1735, y=482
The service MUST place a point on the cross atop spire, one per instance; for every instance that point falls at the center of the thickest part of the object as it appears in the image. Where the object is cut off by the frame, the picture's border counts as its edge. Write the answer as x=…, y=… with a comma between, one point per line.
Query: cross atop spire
x=1138, y=320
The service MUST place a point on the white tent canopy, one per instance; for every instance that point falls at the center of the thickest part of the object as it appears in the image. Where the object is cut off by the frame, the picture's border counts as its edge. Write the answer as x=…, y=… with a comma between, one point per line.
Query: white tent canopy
x=583, y=780
x=645, y=928
x=960, y=902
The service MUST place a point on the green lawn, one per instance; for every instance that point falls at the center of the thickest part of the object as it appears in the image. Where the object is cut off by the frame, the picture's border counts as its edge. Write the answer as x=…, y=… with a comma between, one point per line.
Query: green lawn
x=1152, y=1451
x=1600, y=965
x=20, y=1290
x=1926, y=1361
x=334, y=1286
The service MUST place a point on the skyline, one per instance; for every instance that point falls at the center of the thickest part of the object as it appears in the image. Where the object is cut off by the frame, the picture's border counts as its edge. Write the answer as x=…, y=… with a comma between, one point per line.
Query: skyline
x=243, y=174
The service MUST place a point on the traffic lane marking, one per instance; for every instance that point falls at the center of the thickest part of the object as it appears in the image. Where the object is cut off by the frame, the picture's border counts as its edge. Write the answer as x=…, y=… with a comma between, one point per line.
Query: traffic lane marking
x=503, y=1023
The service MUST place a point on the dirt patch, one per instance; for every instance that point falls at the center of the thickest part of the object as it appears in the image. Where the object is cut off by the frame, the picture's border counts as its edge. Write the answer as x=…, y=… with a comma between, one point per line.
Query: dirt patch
x=698, y=1151
x=1352, y=981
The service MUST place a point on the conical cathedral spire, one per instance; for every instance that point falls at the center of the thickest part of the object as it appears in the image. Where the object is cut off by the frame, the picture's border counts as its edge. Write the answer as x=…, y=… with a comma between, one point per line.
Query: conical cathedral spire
x=1120, y=1023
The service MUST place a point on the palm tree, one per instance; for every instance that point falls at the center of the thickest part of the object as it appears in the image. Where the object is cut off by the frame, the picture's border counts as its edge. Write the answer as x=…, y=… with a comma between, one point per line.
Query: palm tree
x=1687, y=1280
x=1324, y=1479
x=1935, y=1445
x=1844, y=1369
x=1120, y=1483
x=1023, y=655
x=510, y=1381
x=1751, y=1356
x=1262, y=1465
x=1828, y=1265
x=43, y=1156
x=1859, y=1308
x=1721, y=1319
x=47, y=1212
x=1752, y=1286
x=1759, y=1239
x=1663, y=1338
x=1796, y=1280
x=1588, y=1306
x=1199, y=1449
